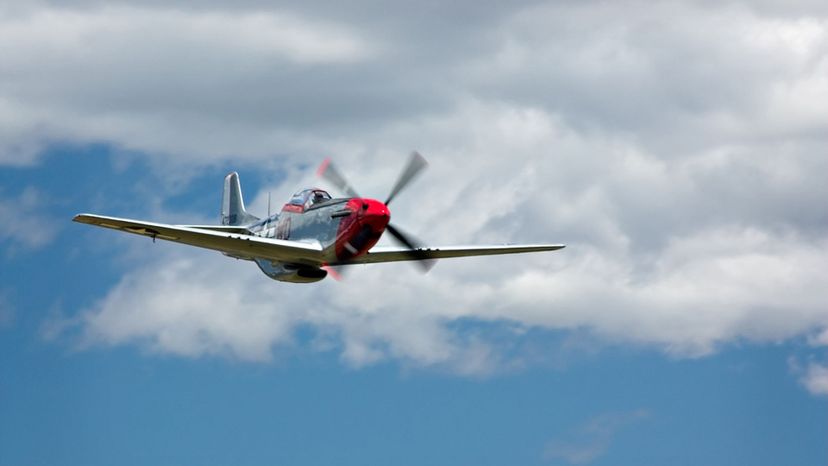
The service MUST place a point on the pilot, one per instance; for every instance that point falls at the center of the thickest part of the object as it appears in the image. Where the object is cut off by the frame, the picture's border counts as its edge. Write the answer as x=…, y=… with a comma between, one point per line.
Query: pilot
x=318, y=197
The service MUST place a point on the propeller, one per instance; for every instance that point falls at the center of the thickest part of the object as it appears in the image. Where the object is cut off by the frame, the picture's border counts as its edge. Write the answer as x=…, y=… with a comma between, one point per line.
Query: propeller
x=416, y=164
x=328, y=171
x=421, y=259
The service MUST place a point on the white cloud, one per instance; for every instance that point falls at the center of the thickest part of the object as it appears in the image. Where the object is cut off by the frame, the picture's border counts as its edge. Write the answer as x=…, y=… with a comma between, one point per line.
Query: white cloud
x=196, y=304
x=684, y=170
x=22, y=223
x=814, y=374
x=749, y=77
x=162, y=80
x=205, y=83
x=103, y=31
x=702, y=291
x=815, y=379
x=642, y=267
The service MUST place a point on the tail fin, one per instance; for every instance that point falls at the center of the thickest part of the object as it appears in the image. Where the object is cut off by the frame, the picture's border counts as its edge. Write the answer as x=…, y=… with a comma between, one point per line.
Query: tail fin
x=232, y=204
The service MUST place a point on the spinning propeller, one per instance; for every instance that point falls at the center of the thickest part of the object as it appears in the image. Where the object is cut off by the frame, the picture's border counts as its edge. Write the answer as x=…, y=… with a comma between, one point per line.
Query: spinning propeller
x=416, y=164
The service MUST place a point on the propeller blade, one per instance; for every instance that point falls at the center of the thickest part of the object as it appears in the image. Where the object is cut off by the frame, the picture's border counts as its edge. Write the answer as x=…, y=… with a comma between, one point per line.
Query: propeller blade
x=422, y=260
x=416, y=163
x=337, y=273
x=328, y=171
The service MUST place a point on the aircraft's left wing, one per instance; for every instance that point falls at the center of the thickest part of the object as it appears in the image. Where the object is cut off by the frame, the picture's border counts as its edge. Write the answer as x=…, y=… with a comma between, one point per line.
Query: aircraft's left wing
x=236, y=244
x=392, y=254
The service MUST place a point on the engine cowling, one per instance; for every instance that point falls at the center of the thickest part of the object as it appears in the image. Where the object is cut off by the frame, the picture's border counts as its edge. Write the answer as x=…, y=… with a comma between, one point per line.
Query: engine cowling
x=290, y=272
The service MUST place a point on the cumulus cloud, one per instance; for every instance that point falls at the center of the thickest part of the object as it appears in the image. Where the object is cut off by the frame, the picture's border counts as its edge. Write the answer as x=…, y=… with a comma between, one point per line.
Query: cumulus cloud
x=157, y=79
x=683, y=169
x=196, y=304
x=748, y=78
x=202, y=304
x=203, y=82
x=814, y=373
x=815, y=379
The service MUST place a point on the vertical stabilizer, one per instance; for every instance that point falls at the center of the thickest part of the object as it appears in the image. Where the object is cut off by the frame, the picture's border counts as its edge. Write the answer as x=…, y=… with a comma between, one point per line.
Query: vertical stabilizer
x=232, y=204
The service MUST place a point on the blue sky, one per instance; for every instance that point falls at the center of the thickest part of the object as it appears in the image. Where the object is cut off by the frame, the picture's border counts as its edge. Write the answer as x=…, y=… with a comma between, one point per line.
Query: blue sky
x=685, y=323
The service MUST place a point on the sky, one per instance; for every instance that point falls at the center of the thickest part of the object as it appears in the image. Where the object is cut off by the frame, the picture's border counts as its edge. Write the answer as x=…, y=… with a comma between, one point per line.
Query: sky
x=677, y=148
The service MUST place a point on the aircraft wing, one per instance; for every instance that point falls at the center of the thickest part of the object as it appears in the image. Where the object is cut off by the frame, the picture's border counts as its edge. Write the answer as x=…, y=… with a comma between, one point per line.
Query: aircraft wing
x=232, y=243
x=393, y=254
x=224, y=228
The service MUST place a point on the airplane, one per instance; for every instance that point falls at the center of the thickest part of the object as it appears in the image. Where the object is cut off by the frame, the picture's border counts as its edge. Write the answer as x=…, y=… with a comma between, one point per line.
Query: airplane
x=313, y=235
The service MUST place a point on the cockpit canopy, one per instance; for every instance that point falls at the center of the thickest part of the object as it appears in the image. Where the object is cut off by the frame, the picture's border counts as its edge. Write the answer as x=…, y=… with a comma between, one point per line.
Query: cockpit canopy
x=309, y=197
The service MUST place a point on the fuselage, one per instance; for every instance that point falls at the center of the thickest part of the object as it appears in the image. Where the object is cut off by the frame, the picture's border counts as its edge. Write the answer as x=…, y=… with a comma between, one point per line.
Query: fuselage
x=345, y=228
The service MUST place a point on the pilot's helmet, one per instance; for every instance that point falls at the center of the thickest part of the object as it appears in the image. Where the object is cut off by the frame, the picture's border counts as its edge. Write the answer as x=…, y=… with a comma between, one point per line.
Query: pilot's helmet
x=318, y=197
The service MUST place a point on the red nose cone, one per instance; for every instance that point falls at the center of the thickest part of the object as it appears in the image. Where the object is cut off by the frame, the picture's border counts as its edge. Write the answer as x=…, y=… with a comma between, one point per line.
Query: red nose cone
x=361, y=230
x=375, y=214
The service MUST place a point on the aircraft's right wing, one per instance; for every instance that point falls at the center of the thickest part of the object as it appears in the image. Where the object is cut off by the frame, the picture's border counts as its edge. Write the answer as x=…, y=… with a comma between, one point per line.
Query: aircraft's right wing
x=393, y=254
x=241, y=245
